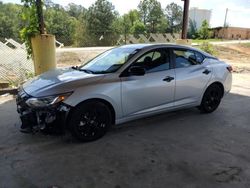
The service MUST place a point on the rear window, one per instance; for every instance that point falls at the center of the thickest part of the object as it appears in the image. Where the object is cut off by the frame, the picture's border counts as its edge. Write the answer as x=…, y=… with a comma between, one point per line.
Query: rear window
x=185, y=58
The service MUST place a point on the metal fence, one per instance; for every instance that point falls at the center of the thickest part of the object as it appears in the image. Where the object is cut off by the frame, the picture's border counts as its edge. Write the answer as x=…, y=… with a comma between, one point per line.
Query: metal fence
x=14, y=65
x=15, y=68
x=148, y=38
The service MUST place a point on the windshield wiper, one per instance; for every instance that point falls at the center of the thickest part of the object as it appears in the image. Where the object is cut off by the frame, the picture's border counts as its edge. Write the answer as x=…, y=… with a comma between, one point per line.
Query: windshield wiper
x=75, y=67
x=84, y=70
x=87, y=71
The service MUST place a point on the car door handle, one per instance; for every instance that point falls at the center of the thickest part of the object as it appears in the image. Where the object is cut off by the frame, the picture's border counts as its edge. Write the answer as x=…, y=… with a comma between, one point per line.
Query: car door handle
x=206, y=71
x=168, y=79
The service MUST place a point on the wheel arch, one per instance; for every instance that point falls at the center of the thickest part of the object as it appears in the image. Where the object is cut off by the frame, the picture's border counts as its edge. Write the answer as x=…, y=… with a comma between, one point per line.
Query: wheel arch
x=105, y=102
x=221, y=86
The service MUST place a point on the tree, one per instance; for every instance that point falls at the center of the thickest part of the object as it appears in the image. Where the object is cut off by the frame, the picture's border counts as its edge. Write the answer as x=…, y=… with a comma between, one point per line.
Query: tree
x=144, y=10
x=204, y=32
x=60, y=24
x=192, y=30
x=174, y=14
x=10, y=21
x=80, y=36
x=133, y=16
x=155, y=15
x=163, y=25
x=138, y=28
x=151, y=13
x=99, y=19
x=6, y=27
x=75, y=10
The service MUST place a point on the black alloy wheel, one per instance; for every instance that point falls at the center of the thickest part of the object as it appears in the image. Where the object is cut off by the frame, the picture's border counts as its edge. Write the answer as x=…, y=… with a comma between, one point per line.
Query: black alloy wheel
x=211, y=99
x=90, y=121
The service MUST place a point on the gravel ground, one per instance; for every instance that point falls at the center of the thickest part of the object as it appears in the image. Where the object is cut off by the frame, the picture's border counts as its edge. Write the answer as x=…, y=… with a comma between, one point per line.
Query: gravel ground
x=183, y=149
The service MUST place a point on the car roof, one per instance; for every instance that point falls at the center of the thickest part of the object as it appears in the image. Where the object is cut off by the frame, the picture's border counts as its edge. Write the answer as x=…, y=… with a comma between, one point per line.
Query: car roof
x=145, y=45
x=163, y=45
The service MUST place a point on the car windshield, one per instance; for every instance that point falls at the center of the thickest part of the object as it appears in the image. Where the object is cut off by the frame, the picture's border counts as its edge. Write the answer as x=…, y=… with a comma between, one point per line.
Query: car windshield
x=109, y=61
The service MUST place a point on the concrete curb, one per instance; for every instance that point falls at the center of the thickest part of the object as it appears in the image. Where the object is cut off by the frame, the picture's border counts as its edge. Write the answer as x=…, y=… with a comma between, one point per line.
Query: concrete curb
x=12, y=91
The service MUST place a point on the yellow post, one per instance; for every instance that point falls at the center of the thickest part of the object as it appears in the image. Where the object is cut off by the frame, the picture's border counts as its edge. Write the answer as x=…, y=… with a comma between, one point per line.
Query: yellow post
x=183, y=41
x=44, y=52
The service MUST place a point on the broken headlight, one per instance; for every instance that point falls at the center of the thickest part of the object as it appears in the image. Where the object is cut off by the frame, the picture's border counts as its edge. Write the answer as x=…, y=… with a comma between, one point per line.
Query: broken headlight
x=47, y=101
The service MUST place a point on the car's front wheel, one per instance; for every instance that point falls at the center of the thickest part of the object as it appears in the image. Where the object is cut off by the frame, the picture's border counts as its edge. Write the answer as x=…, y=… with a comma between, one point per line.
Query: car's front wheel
x=90, y=121
x=211, y=99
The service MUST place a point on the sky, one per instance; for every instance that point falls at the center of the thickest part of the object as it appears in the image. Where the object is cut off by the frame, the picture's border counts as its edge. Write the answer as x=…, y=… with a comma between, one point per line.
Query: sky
x=238, y=10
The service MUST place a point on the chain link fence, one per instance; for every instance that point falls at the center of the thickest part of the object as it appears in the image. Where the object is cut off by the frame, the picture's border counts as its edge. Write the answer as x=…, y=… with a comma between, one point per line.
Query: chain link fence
x=14, y=65
x=15, y=68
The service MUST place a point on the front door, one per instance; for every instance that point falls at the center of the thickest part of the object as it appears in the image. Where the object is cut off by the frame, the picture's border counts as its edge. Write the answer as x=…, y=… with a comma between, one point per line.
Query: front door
x=154, y=90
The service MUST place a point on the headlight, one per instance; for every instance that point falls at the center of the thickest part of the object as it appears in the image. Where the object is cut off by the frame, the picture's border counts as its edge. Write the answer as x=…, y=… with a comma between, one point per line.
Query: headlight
x=47, y=101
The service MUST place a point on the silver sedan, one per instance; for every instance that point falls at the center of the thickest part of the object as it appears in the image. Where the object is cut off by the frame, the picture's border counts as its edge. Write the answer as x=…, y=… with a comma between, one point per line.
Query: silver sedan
x=123, y=84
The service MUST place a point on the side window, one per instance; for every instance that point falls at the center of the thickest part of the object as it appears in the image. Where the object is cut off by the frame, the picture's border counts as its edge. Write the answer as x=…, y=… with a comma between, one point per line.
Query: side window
x=199, y=57
x=185, y=58
x=154, y=61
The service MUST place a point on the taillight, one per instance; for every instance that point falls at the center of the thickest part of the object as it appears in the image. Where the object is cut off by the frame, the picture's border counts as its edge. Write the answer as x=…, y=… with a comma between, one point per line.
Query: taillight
x=230, y=68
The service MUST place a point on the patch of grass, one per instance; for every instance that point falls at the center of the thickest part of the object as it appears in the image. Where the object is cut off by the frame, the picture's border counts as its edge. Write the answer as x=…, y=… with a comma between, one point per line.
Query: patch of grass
x=245, y=45
x=199, y=41
x=207, y=47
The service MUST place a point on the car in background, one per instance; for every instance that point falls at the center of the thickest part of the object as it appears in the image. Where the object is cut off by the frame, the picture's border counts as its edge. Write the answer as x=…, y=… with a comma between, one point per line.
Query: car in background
x=123, y=84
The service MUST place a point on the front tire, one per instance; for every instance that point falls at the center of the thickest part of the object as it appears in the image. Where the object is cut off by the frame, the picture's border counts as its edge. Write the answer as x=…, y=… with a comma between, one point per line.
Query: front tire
x=89, y=121
x=211, y=99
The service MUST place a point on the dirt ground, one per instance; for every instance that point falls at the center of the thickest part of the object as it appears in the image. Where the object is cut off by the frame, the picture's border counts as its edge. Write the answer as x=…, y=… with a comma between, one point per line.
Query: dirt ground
x=181, y=149
x=237, y=55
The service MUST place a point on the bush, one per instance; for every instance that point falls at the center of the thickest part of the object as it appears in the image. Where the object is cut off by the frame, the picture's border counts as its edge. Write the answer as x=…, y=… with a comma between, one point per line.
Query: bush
x=204, y=32
x=207, y=47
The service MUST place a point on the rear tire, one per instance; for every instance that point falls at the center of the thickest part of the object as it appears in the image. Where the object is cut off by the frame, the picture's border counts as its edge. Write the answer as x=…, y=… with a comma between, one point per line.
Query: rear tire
x=211, y=99
x=90, y=121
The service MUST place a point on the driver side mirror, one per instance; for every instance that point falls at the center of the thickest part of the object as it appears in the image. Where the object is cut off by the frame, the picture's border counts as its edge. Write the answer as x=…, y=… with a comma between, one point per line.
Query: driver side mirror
x=136, y=71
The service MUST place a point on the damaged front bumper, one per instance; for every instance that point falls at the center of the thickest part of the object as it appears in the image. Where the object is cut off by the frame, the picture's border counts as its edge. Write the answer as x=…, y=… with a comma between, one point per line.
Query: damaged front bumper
x=35, y=119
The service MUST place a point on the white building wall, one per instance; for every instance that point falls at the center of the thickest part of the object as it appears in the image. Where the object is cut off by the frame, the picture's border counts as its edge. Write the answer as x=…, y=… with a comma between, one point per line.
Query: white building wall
x=199, y=15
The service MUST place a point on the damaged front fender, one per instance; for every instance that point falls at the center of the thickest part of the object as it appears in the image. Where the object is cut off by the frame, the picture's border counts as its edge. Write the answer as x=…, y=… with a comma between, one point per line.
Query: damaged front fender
x=36, y=119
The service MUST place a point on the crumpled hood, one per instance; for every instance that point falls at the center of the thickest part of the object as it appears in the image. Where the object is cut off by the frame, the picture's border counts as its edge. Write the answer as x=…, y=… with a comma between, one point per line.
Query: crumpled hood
x=58, y=81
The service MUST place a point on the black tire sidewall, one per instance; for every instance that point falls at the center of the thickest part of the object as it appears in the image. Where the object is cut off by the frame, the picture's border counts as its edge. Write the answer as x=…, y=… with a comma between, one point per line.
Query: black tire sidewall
x=203, y=106
x=81, y=109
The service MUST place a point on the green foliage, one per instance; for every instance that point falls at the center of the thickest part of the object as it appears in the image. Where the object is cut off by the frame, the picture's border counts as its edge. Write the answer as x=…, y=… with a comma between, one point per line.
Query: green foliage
x=144, y=10
x=155, y=15
x=204, y=32
x=29, y=74
x=192, y=30
x=80, y=34
x=207, y=47
x=126, y=23
x=6, y=29
x=59, y=23
x=162, y=27
x=9, y=21
x=151, y=14
x=174, y=14
x=133, y=16
x=74, y=10
x=30, y=24
x=138, y=28
x=99, y=19
x=99, y=25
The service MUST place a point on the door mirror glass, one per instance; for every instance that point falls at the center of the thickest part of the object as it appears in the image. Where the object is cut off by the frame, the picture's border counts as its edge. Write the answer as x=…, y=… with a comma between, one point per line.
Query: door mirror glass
x=137, y=71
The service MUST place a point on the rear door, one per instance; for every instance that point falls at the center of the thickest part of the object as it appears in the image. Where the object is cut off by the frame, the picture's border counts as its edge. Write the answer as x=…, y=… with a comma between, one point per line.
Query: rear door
x=191, y=76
